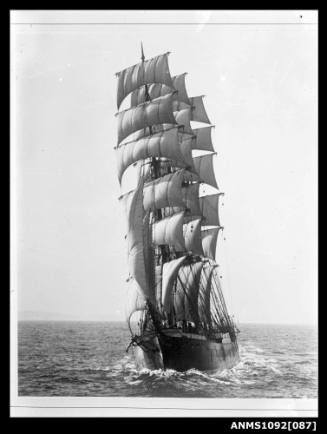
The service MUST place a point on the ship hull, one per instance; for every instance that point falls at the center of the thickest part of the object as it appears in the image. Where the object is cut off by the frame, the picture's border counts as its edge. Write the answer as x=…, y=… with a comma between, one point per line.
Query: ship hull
x=184, y=351
x=148, y=355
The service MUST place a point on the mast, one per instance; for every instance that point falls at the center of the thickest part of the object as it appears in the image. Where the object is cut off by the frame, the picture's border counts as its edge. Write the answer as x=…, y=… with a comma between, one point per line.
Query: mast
x=161, y=254
x=155, y=165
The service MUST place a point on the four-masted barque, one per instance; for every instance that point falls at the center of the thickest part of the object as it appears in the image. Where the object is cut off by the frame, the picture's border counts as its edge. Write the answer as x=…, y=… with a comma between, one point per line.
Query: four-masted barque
x=171, y=230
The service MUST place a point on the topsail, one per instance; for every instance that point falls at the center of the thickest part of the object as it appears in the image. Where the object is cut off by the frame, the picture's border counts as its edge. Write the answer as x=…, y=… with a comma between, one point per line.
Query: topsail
x=181, y=99
x=154, y=70
x=147, y=114
x=162, y=145
x=159, y=89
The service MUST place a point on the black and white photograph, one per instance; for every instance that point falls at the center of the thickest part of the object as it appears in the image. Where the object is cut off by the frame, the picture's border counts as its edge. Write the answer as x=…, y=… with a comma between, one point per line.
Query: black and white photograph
x=164, y=213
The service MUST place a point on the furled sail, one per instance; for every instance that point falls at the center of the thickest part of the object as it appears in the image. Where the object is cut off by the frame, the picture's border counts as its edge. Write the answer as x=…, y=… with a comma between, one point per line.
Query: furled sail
x=169, y=274
x=192, y=236
x=164, y=144
x=157, y=111
x=164, y=192
x=133, y=202
x=203, y=139
x=187, y=290
x=209, y=242
x=169, y=231
x=204, y=167
x=155, y=70
x=209, y=209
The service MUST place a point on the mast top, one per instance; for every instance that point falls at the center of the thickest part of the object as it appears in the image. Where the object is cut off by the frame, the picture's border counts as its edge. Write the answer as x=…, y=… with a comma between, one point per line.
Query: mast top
x=142, y=52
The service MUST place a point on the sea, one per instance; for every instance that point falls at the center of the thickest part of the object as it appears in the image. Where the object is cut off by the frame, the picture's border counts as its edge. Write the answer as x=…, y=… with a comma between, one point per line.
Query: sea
x=72, y=358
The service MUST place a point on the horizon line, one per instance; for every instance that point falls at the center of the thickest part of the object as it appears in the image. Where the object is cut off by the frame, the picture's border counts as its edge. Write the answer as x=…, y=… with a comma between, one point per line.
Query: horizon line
x=123, y=321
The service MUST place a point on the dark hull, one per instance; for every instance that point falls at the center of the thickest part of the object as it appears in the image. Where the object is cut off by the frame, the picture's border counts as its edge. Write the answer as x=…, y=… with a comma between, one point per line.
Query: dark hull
x=183, y=351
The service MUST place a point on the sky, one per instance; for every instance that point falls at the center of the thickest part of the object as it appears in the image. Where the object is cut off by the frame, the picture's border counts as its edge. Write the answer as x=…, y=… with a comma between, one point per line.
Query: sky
x=260, y=82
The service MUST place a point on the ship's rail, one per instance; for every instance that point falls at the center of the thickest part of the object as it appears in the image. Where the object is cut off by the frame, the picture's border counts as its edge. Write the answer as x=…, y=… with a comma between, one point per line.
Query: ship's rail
x=180, y=334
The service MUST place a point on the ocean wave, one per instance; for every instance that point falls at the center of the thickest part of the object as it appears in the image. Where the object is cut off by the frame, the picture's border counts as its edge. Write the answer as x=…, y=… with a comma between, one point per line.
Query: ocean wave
x=253, y=364
x=270, y=366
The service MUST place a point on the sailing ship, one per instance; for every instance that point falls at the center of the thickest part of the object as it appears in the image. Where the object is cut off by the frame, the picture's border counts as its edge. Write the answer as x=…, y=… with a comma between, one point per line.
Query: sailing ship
x=172, y=230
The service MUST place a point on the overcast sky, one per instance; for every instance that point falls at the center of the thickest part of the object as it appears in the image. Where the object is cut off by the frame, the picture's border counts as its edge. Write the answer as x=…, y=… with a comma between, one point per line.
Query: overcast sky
x=260, y=83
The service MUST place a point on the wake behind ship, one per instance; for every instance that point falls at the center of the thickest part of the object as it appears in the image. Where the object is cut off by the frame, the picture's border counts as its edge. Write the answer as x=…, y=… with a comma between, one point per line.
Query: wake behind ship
x=172, y=228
